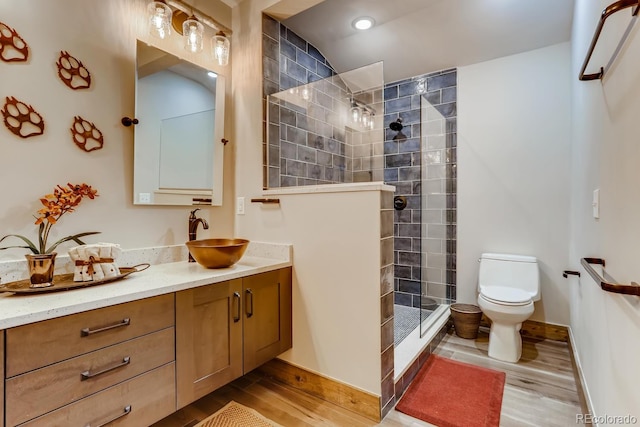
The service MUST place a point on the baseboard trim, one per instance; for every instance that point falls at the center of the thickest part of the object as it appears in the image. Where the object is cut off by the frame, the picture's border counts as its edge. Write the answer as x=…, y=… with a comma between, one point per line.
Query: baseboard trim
x=538, y=330
x=583, y=391
x=338, y=393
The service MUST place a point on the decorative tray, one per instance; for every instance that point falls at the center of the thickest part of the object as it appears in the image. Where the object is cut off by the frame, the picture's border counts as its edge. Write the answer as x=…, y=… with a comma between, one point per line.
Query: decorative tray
x=63, y=282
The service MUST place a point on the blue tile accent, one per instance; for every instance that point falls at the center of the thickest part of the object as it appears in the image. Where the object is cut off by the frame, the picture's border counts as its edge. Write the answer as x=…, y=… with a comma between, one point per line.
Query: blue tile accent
x=390, y=175
x=407, y=89
x=306, y=61
x=390, y=92
x=296, y=71
x=324, y=71
x=296, y=40
x=287, y=49
x=442, y=81
x=314, y=52
x=396, y=105
x=409, y=146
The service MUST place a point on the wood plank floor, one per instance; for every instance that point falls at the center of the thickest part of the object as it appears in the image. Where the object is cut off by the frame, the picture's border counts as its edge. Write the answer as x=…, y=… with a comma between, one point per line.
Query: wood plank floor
x=540, y=390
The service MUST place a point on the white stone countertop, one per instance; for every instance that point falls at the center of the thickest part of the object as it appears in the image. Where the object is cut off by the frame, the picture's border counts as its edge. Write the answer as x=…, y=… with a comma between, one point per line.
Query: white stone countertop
x=16, y=310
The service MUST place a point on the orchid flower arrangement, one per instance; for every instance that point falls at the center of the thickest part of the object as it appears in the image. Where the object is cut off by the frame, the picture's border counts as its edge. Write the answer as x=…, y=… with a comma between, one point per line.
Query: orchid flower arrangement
x=61, y=201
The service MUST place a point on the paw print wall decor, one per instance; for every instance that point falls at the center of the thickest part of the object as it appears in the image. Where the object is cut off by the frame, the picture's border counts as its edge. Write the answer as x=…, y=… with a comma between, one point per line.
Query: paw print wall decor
x=13, y=48
x=22, y=119
x=72, y=72
x=86, y=135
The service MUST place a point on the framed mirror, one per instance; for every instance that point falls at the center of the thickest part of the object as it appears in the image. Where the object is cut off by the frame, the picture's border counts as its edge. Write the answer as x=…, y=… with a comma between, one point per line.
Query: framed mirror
x=178, y=156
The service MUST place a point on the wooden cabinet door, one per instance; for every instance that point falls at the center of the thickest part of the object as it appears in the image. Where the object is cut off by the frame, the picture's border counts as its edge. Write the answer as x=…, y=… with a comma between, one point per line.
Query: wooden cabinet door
x=267, y=316
x=208, y=339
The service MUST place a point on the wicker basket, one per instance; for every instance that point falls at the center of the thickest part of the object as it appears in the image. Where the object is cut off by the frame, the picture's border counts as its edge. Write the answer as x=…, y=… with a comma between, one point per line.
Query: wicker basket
x=466, y=320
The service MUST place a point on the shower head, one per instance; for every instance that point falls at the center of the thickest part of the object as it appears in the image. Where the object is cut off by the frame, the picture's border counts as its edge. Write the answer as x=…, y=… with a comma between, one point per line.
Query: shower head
x=396, y=126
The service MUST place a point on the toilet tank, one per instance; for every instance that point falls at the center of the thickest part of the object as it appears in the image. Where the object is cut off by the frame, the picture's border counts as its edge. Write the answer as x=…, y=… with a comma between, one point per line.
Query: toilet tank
x=511, y=271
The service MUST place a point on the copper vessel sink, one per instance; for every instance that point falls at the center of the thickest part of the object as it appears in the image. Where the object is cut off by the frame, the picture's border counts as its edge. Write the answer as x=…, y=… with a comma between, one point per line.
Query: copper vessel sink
x=217, y=253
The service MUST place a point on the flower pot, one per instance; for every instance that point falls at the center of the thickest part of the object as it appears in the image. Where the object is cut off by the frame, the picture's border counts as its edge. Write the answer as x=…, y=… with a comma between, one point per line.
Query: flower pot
x=41, y=269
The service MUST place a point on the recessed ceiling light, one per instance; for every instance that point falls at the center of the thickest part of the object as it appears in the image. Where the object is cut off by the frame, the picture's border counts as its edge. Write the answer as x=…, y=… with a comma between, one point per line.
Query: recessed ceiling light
x=212, y=74
x=363, y=23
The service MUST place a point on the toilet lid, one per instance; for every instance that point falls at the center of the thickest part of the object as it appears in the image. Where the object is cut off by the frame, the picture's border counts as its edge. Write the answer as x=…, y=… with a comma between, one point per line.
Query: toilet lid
x=506, y=296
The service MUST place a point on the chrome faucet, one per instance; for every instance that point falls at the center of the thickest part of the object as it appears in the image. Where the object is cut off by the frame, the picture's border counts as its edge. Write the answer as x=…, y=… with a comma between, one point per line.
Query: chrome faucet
x=193, y=228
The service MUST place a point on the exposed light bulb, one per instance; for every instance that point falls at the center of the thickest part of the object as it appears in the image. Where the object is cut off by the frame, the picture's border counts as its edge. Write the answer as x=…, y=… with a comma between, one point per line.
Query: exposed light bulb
x=421, y=86
x=221, y=48
x=159, y=19
x=192, y=30
x=356, y=114
x=366, y=119
x=305, y=93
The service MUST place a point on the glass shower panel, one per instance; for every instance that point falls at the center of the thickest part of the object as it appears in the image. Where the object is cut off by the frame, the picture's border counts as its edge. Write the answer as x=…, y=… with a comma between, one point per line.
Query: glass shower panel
x=438, y=209
x=328, y=131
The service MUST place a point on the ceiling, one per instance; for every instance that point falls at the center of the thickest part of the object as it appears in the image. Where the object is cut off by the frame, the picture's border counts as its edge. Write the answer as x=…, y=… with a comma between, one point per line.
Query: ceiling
x=414, y=37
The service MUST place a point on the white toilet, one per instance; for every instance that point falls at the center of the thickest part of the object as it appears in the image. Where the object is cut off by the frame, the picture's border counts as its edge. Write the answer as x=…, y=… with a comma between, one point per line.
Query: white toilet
x=508, y=285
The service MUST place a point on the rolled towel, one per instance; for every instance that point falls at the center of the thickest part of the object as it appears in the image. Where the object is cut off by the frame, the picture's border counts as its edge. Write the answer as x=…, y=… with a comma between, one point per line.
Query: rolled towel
x=107, y=250
x=94, y=269
x=77, y=269
x=84, y=269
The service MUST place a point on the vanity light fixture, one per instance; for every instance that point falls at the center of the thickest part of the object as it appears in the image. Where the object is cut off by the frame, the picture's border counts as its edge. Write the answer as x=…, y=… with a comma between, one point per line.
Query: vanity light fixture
x=221, y=47
x=159, y=19
x=193, y=32
x=363, y=23
x=189, y=22
x=361, y=114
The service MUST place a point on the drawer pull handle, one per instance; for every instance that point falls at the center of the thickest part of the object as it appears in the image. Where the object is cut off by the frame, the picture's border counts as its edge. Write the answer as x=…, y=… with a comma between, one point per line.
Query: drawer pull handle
x=86, y=375
x=126, y=411
x=250, y=301
x=236, y=318
x=87, y=331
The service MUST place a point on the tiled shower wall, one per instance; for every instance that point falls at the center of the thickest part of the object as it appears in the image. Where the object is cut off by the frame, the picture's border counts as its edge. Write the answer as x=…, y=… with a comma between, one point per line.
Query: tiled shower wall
x=424, y=254
x=307, y=140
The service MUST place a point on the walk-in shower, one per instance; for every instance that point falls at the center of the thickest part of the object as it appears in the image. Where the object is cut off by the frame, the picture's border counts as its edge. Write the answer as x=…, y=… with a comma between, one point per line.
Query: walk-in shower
x=420, y=161
x=323, y=127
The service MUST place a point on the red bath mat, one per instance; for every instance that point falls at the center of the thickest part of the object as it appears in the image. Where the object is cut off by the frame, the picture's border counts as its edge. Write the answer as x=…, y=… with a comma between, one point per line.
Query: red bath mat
x=449, y=393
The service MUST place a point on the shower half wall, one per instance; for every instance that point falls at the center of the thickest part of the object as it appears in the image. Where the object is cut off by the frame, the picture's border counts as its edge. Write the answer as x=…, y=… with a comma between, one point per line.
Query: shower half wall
x=420, y=161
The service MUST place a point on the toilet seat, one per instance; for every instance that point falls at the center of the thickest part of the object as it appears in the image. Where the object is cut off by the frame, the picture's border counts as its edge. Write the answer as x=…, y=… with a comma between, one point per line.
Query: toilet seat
x=505, y=296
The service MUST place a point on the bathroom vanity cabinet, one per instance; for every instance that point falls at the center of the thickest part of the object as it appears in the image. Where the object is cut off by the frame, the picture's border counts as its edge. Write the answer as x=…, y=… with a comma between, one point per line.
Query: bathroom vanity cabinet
x=139, y=361
x=89, y=368
x=227, y=329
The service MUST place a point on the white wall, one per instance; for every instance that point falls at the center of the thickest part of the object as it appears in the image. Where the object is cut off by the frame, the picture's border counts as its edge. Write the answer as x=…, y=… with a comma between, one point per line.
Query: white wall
x=513, y=169
x=102, y=34
x=606, y=152
x=335, y=236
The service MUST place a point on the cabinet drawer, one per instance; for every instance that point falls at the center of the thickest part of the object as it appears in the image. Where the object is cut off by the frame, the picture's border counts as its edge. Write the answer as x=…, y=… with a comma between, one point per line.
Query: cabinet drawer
x=138, y=402
x=43, y=390
x=40, y=344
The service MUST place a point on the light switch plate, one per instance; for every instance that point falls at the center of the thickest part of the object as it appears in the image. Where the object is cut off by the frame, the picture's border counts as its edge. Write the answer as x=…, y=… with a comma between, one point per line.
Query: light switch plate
x=240, y=206
x=596, y=203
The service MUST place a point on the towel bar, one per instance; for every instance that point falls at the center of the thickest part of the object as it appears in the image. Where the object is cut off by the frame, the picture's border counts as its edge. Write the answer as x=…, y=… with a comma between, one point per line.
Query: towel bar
x=610, y=10
x=607, y=283
x=268, y=201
